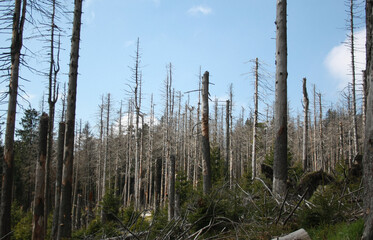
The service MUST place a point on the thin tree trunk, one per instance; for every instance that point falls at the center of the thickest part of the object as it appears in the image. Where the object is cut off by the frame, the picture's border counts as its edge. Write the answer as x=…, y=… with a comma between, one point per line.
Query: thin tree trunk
x=157, y=184
x=315, y=155
x=64, y=227
x=323, y=162
x=7, y=178
x=352, y=48
x=60, y=143
x=227, y=127
x=206, y=165
x=39, y=214
x=281, y=140
x=256, y=98
x=171, y=189
x=305, y=126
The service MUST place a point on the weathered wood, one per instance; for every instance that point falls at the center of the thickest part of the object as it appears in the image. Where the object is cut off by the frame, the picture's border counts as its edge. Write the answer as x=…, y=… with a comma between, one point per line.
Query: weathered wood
x=206, y=165
x=19, y=14
x=280, y=121
x=157, y=183
x=368, y=141
x=300, y=234
x=256, y=103
x=306, y=103
x=39, y=214
x=60, y=143
x=171, y=189
x=64, y=228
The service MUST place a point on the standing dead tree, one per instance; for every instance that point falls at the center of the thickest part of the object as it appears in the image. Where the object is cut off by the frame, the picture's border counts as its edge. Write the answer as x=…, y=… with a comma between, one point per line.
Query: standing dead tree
x=306, y=103
x=64, y=227
x=39, y=213
x=280, y=121
x=19, y=15
x=206, y=166
x=368, y=143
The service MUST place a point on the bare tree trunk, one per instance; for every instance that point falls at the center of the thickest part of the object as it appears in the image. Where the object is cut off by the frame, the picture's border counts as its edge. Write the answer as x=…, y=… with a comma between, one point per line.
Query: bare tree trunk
x=106, y=157
x=315, y=155
x=323, y=162
x=137, y=138
x=76, y=182
x=64, y=227
x=227, y=151
x=7, y=178
x=60, y=143
x=368, y=143
x=206, y=165
x=231, y=163
x=39, y=214
x=171, y=189
x=280, y=151
x=256, y=98
x=157, y=184
x=305, y=127
x=352, y=48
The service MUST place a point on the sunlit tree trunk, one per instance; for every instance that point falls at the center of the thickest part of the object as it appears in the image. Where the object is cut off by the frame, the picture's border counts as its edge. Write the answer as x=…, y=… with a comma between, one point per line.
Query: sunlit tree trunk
x=280, y=121
x=206, y=165
x=305, y=126
x=64, y=227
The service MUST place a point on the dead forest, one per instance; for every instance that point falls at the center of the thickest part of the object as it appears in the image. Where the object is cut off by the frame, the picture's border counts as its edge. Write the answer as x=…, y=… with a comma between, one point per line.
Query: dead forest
x=204, y=169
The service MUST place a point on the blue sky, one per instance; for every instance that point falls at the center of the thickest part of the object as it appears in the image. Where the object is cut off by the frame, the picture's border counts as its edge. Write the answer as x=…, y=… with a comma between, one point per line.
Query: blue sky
x=218, y=35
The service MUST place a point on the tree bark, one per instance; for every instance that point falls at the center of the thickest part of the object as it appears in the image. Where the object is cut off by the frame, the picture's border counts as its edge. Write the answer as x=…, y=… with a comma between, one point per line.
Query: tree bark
x=61, y=139
x=206, y=165
x=64, y=228
x=7, y=178
x=39, y=214
x=171, y=189
x=306, y=103
x=280, y=121
x=256, y=98
x=368, y=141
x=157, y=184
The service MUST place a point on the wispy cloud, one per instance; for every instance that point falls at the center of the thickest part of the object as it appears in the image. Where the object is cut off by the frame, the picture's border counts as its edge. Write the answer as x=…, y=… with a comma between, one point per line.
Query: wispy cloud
x=338, y=60
x=204, y=10
x=129, y=43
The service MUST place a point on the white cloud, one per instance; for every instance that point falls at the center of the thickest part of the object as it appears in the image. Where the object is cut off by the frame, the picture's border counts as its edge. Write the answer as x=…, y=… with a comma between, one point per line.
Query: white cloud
x=204, y=10
x=338, y=60
x=129, y=43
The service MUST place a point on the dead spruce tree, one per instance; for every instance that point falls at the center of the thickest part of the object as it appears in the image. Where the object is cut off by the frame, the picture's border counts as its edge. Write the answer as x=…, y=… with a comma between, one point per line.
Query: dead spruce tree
x=280, y=121
x=19, y=16
x=64, y=226
x=38, y=211
x=306, y=103
x=206, y=166
x=368, y=143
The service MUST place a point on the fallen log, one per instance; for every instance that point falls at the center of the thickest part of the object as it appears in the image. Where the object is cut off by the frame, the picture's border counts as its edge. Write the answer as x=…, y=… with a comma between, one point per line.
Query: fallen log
x=300, y=234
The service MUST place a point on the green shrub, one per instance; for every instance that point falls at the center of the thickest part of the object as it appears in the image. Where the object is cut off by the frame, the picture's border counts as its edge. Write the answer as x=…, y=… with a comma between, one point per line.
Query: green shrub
x=110, y=205
x=23, y=229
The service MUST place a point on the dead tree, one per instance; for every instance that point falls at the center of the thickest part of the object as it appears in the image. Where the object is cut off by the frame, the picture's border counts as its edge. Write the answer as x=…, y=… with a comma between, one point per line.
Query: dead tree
x=352, y=49
x=39, y=214
x=255, y=124
x=54, y=68
x=368, y=143
x=60, y=143
x=227, y=140
x=19, y=14
x=206, y=166
x=305, y=126
x=171, y=189
x=280, y=121
x=64, y=226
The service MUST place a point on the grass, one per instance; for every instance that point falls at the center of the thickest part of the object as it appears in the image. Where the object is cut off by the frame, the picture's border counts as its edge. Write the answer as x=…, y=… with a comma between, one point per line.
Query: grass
x=340, y=231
